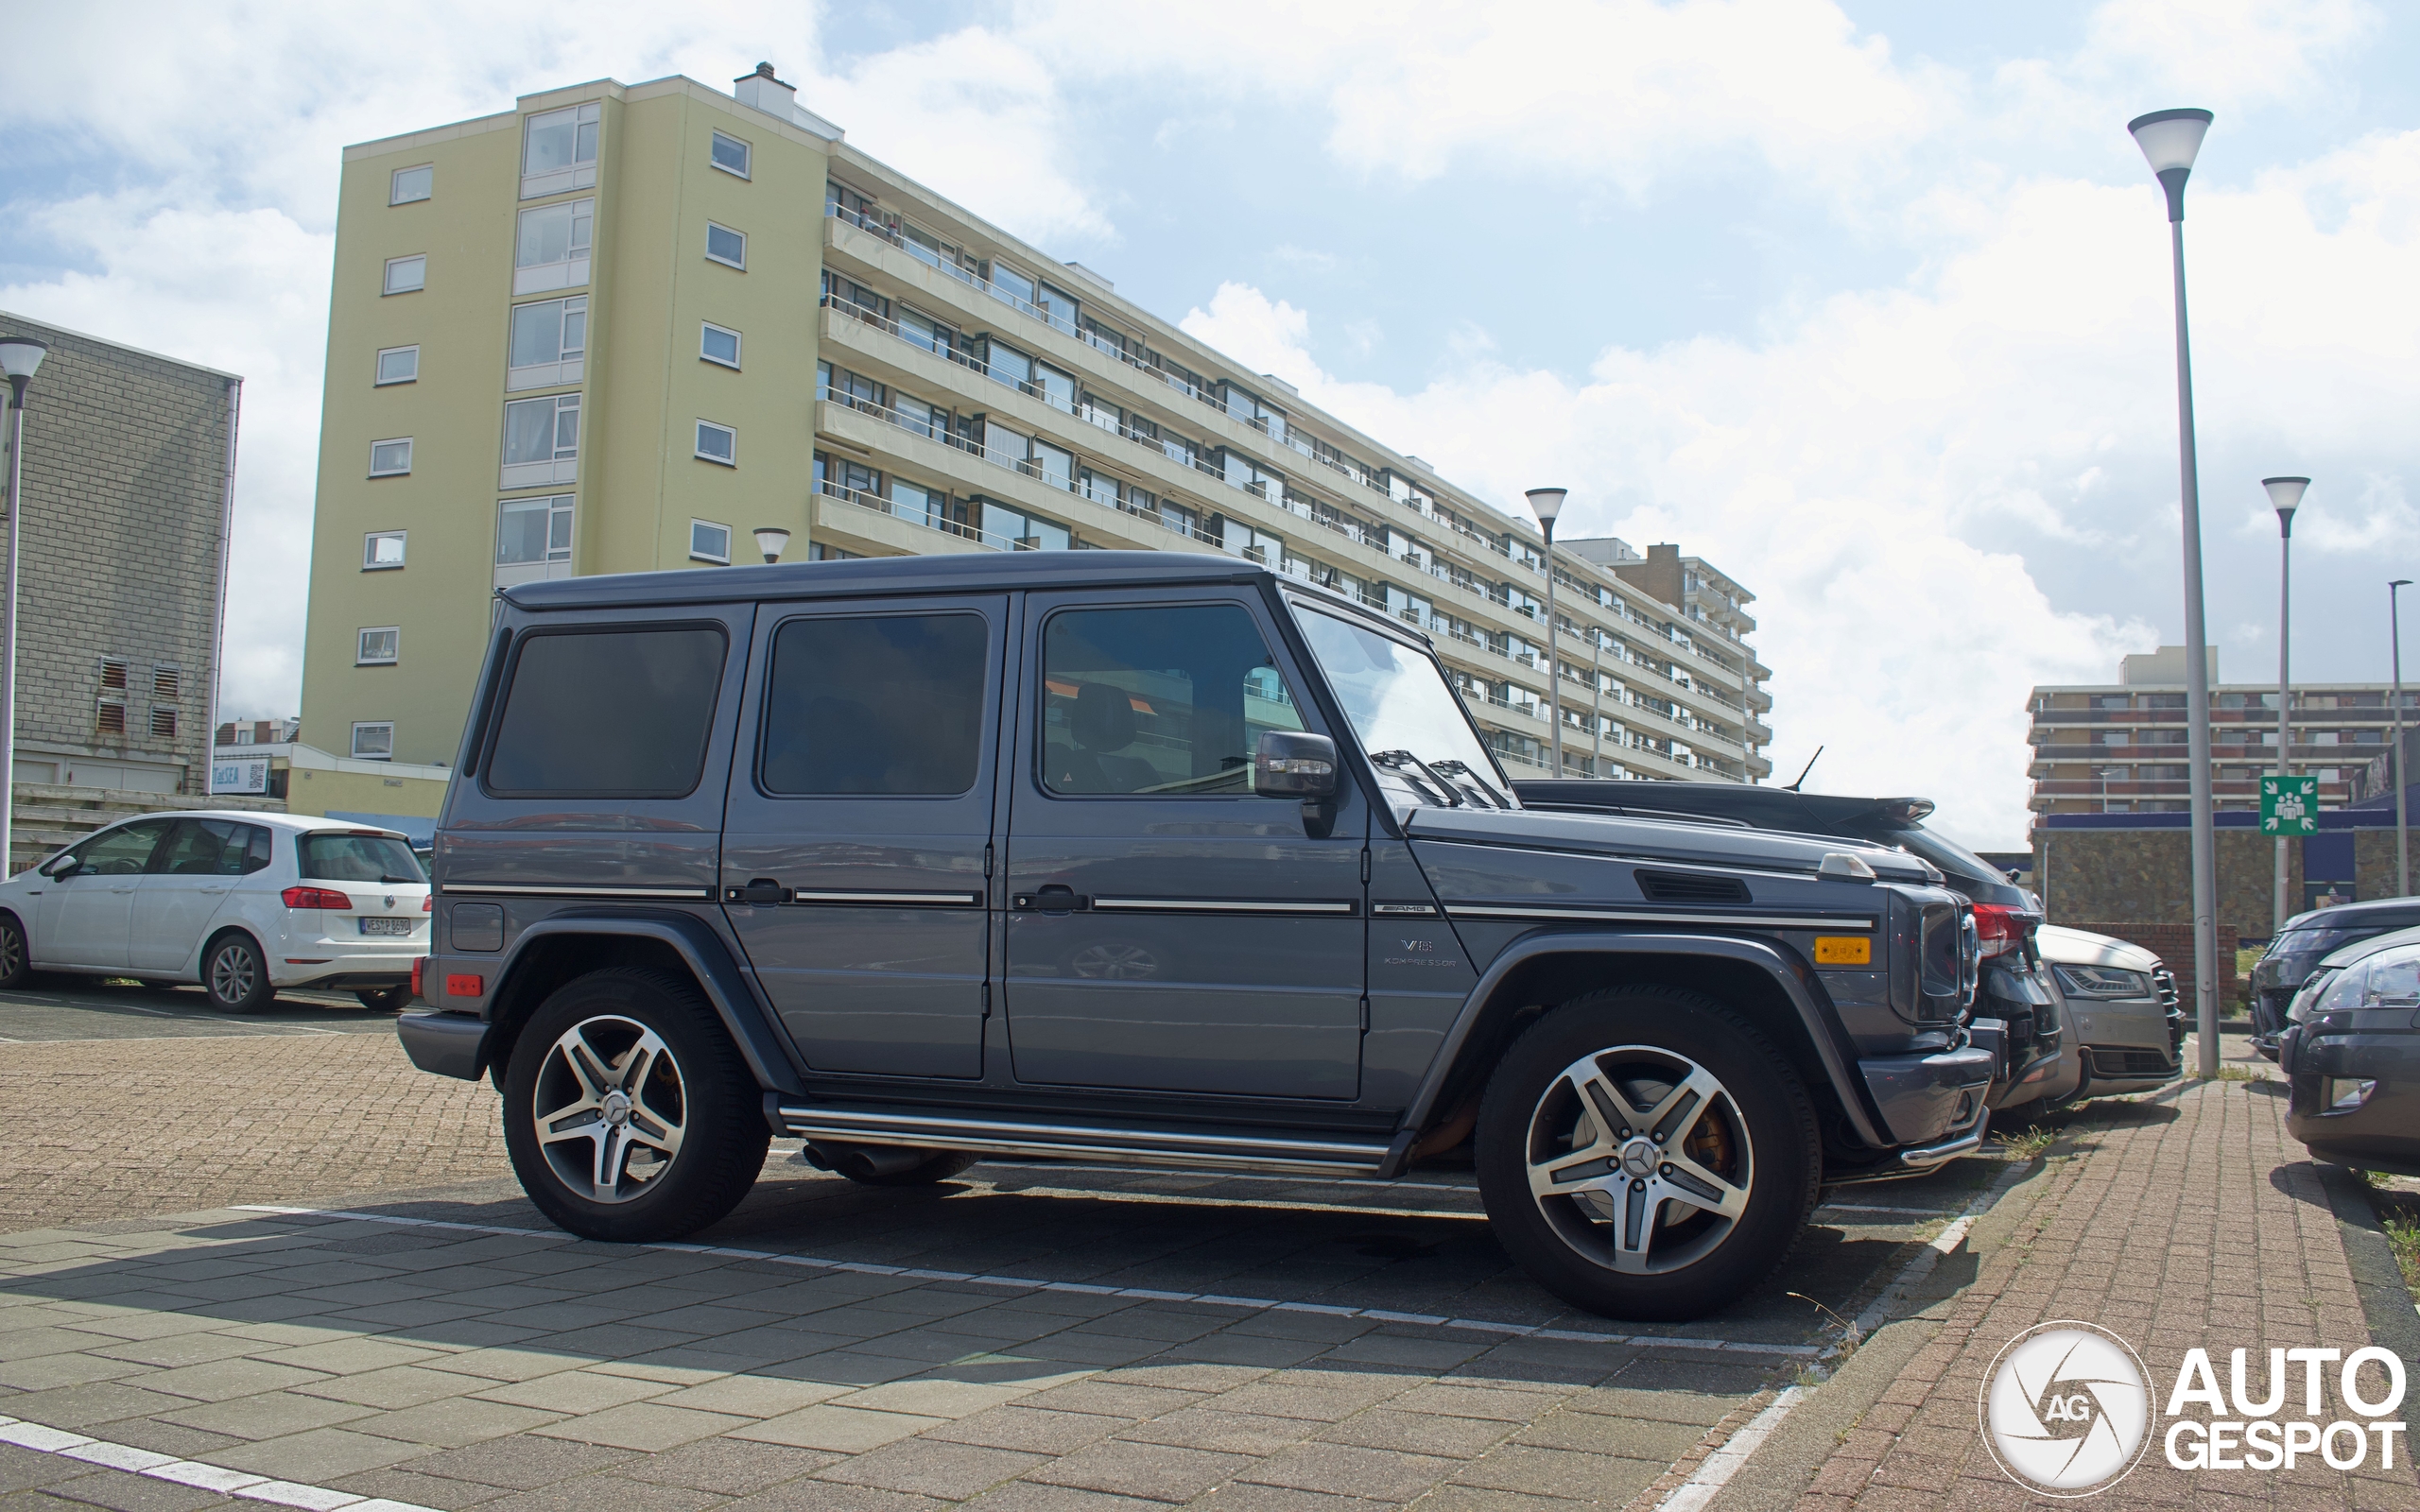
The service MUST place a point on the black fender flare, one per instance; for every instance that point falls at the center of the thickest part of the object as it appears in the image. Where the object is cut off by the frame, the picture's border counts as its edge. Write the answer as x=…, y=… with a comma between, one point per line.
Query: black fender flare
x=1828, y=1041
x=709, y=959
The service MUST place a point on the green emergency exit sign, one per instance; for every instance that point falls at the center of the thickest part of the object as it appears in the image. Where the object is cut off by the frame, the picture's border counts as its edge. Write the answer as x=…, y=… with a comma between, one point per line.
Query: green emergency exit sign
x=2289, y=805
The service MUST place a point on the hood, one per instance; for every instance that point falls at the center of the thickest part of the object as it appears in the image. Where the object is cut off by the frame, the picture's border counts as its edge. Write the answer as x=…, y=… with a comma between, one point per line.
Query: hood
x=1702, y=845
x=2061, y=946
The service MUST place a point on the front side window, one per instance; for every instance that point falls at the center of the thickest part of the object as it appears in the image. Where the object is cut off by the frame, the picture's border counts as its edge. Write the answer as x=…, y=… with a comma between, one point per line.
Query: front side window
x=410, y=186
x=709, y=541
x=607, y=714
x=399, y=365
x=343, y=857
x=1161, y=701
x=548, y=341
x=124, y=851
x=719, y=344
x=377, y=647
x=559, y=149
x=1401, y=706
x=718, y=443
x=382, y=549
x=890, y=705
x=391, y=458
x=730, y=154
x=551, y=247
x=407, y=275
x=726, y=246
x=375, y=740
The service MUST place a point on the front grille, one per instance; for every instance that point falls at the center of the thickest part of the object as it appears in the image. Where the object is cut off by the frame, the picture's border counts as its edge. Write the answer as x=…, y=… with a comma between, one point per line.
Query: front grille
x=2131, y=1064
x=2164, y=987
x=1691, y=887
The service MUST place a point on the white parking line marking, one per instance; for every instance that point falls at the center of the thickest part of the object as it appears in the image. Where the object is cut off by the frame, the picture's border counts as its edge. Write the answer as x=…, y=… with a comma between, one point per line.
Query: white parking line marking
x=1027, y=1283
x=1910, y=1213
x=192, y=1472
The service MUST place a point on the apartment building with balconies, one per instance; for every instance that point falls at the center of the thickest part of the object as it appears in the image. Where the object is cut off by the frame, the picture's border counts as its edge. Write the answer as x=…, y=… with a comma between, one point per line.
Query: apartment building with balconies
x=620, y=328
x=2118, y=748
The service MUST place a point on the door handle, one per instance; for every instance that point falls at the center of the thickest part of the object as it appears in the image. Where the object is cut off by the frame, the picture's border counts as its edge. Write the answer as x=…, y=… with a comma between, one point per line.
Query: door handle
x=760, y=891
x=1054, y=899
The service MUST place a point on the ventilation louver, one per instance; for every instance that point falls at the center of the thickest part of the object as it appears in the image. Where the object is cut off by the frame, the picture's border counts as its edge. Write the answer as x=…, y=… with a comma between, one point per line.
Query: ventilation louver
x=1690, y=887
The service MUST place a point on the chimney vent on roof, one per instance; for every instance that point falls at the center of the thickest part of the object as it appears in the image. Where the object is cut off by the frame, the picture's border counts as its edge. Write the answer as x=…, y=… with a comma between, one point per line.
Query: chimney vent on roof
x=766, y=93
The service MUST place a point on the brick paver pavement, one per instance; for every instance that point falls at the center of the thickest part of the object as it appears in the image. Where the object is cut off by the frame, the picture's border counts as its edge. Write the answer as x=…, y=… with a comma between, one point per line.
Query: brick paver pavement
x=2193, y=1221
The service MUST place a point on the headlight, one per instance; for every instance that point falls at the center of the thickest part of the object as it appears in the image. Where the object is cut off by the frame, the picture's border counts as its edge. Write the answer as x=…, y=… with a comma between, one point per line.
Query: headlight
x=2307, y=996
x=2103, y=982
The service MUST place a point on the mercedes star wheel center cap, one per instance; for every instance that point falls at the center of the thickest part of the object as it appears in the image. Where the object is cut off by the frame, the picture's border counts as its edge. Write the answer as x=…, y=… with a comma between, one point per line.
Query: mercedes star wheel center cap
x=1640, y=1156
x=617, y=1107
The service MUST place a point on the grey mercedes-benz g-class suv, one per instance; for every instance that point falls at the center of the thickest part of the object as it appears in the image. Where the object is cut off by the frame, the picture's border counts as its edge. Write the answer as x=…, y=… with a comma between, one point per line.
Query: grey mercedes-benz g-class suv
x=1150, y=857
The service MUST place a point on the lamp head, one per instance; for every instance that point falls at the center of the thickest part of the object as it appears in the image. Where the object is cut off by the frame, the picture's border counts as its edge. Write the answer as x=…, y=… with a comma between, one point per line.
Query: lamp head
x=2400, y=582
x=770, y=539
x=2171, y=140
x=2285, y=496
x=20, y=356
x=1545, y=503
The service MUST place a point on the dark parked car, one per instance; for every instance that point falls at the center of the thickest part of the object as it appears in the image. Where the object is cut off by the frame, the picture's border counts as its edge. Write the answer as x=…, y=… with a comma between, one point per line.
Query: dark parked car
x=2351, y=1056
x=2303, y=942
x=2020, y=1004
x=1146, y=857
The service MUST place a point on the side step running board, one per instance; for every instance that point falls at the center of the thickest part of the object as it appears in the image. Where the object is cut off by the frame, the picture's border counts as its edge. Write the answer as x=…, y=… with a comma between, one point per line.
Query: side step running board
x=1211, y=1151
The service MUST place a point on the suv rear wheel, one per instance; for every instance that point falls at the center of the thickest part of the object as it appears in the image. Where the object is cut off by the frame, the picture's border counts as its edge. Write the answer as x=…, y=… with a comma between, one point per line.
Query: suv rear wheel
x=627, y=1111
x=1645, y=1153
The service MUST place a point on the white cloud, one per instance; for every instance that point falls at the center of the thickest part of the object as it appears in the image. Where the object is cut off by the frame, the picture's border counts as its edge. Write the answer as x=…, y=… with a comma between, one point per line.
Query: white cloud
x=2227, y=52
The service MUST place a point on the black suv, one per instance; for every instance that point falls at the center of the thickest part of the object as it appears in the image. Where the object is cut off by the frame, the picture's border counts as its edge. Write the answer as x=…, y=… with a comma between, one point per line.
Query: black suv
x=2019, y=1006
x=1147, y=857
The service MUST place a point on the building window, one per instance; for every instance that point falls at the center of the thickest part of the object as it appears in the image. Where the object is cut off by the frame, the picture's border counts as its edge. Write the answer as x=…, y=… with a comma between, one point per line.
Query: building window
x=550, y=249
x=559, y=151
x=399, y=365
x=377, y=647
x=163, y=723
x=407, y=275
x=391, y=458
x=541, y=441
x=720, y=344
x=549, y=342
x=709, y=541
x=374, y=741
x=382, y=549
x=726, y=246
x=730, y=154
x=718, y=443
x=533, y=540
x=410, y=186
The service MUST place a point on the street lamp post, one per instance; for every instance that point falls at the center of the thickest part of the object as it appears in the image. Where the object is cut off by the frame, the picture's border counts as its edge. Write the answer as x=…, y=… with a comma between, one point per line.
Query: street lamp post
x=1546, y=504
x=2171, y=140
x=2402, y=824
x=19, y=358
x=2286, y=496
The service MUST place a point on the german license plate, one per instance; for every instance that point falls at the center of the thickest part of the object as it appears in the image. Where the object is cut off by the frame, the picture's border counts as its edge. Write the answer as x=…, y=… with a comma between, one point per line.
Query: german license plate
x=386, y=926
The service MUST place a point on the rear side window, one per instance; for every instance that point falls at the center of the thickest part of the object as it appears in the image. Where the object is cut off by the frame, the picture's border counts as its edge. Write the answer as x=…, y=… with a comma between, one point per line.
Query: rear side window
x=336, y=856
x=607, y=714
x=212, y=848
x=888, y=706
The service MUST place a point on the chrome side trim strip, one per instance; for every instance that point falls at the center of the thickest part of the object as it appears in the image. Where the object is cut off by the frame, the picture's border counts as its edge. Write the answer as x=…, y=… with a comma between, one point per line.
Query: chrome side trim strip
x=1633, y=917
x=1140, y=1146
x=698, y=894
x=1214, y=905
x=912, y=900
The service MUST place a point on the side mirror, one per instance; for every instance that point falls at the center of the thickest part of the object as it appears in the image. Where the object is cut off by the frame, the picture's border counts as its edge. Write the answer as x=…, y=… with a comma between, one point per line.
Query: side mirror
x=1291, y=764
x=61, y=868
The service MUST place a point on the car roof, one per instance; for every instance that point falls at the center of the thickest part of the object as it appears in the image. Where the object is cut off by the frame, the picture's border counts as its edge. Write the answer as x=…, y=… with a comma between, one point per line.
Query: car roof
x=2361, y=949
x=297, y=823
x=2382, y=912
x=964, y=572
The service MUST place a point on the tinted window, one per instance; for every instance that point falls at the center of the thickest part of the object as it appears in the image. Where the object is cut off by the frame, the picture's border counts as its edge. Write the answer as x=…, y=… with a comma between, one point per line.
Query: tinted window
x=891, y=705
x=611, y=713
x=1166, y=702
x=209, y=848
x=122, y=852
x=336, y=856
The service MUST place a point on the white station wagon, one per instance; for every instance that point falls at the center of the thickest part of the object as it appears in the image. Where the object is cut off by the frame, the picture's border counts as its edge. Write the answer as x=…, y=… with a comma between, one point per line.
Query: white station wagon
x=243, y=903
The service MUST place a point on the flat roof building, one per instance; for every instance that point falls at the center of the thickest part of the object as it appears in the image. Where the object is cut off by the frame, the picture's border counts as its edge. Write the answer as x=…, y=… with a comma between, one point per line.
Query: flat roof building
x=623, y=328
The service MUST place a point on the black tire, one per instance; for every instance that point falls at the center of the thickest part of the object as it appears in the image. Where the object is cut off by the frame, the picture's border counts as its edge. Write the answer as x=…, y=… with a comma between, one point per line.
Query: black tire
x=384, y=999
x=1756, y=1127
x=692, y=1087
x=940, y=1165
x=16, y=957
x=234, y=976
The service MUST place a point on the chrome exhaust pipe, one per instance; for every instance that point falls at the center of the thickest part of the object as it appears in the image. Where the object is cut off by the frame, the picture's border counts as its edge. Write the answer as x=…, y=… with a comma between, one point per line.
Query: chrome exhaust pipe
x=864, y=1161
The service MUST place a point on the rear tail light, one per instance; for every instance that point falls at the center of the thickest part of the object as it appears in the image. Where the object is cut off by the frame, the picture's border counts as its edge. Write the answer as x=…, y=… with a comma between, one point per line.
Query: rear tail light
x=2001, y=928
x=315, y=897
x=420, y=968
x=428, y=905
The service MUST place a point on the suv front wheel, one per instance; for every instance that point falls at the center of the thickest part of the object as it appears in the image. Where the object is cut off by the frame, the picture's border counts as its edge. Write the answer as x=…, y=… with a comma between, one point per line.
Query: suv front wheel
x=1645, y=1153
x=627, y=1111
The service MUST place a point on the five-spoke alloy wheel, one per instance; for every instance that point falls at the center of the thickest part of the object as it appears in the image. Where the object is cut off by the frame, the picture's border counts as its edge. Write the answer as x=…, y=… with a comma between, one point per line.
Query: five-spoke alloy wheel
x=1647, y=1153
x=627, y=1111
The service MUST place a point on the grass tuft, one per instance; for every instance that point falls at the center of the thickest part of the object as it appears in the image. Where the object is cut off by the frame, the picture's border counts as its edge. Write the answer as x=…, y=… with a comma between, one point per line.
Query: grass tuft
x=2027, y=1145
x=2242, y=1073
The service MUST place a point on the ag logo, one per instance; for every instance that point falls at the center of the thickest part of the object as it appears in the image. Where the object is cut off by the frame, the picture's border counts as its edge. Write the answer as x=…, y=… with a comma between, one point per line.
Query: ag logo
x=2065, y=1409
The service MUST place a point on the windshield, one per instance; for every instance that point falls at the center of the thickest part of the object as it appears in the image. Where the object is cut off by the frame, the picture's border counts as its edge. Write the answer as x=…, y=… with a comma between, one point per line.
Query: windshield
x=331, y=855
x=1405, y=713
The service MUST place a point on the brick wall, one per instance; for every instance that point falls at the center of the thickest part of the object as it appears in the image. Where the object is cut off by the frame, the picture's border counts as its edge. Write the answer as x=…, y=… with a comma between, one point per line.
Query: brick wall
x=2173, y=945
x=124, y=487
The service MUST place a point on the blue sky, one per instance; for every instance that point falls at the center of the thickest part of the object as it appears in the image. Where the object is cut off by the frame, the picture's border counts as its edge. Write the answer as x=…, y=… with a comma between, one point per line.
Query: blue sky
x=1865, y=303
